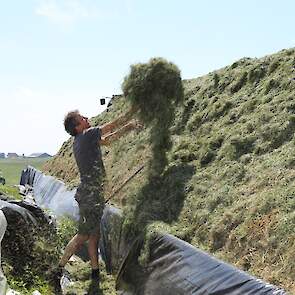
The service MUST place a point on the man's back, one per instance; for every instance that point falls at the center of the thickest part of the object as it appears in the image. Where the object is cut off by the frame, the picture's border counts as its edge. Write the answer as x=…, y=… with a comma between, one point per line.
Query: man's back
x=88, y=156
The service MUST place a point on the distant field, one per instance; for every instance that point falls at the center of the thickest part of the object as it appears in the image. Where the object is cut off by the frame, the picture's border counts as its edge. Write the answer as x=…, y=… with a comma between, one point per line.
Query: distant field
x=11, y=169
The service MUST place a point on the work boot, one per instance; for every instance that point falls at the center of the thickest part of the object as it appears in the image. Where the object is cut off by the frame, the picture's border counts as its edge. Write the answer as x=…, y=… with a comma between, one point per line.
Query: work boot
x=55, y=279
x=95, y=275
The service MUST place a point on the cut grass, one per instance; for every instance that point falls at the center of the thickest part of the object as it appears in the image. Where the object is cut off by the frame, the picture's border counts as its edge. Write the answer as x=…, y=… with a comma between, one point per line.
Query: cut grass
x=81, y=282
x=228, y=183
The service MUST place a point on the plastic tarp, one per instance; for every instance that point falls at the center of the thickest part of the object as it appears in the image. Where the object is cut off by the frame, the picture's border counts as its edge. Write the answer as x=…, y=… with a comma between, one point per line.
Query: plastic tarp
x=3, y=226
x=17, y=219
x=50, y=193
x=11, y=216
x=11, y=210
x=176, y=267
x=113, y=245
x=30, y=213
x=173, y=267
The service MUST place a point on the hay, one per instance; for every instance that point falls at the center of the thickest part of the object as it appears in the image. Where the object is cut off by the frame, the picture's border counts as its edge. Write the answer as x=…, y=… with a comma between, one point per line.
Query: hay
x=152, y=87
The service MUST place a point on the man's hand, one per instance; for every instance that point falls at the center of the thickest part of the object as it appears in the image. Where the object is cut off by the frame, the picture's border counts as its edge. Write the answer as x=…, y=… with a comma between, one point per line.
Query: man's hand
x=118, y=123
x=110, y=137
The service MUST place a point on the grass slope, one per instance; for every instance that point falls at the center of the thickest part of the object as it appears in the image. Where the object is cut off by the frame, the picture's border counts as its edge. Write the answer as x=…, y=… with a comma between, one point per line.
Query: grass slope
x=229, y=185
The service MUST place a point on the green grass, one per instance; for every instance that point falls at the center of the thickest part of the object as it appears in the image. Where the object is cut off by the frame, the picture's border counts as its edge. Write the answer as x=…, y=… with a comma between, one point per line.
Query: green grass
x=81, y=283
x=10, y=191
x=11, y=168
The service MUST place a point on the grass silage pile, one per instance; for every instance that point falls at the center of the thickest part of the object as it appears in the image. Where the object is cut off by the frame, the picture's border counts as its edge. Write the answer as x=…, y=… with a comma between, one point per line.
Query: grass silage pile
x=229, y=184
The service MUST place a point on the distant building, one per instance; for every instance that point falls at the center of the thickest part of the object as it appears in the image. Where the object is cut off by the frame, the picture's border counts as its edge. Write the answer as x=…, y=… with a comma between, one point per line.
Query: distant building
x=12, y=155
x=2, y=155
x=39, y=155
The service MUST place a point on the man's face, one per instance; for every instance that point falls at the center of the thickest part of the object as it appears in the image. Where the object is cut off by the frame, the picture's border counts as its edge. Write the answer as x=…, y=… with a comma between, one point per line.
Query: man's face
x=83, y=124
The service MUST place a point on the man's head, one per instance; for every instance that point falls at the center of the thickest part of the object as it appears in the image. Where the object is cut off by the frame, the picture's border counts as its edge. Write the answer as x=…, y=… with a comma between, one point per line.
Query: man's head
x=75, y=123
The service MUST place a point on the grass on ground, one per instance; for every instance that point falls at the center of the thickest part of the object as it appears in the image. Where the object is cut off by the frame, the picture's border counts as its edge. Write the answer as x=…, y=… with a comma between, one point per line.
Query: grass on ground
x=11, y=169
x=10, y=192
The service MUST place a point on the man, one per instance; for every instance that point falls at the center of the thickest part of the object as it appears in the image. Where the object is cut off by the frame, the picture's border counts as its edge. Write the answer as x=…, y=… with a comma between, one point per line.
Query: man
x=89, y=195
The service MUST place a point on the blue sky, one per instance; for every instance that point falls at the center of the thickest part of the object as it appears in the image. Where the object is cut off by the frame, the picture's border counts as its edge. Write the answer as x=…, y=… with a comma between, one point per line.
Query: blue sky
x=59, y=55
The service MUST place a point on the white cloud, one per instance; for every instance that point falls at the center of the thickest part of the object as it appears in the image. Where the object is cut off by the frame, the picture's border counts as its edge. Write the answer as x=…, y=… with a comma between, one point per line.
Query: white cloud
x=67, y=12
x=63, y=12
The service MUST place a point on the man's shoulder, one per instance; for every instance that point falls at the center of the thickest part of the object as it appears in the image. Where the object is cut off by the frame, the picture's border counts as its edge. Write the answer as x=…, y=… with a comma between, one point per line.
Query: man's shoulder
x=89, y=133
x=92, y=131
x=89, y=139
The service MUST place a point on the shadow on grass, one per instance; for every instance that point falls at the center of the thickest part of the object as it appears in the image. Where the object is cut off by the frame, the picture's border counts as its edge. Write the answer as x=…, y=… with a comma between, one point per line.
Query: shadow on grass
x=94, y=288
x=163, y=195
x=161, y=199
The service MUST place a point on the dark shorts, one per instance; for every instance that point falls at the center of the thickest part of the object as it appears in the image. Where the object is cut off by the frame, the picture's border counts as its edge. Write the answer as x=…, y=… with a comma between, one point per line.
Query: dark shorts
x=91, y=206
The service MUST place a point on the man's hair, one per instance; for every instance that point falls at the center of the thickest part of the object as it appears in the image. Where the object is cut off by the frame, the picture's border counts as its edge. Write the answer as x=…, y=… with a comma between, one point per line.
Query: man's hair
x=71, y=122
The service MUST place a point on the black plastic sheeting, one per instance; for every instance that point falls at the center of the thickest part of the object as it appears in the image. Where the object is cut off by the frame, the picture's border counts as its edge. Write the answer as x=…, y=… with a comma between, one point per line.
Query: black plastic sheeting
x=173, y=266
x=11, y=209
x=113, y=245
x=50, y=193
x=22, y=220
x=30, y=213
x=3, y=280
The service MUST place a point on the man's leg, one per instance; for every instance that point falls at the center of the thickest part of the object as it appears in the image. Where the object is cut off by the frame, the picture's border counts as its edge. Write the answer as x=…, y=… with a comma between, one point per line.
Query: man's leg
x=93, y=250
x=91, y=213
x=72, y=247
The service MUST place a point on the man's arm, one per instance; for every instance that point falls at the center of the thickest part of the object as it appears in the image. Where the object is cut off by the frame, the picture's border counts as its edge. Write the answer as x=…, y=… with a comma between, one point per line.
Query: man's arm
x=110, y=137
x=121, y=121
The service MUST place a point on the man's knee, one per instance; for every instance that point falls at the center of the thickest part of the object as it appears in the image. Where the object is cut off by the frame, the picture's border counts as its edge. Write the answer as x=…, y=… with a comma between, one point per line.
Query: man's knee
x=94, y=237
x=81, y=238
